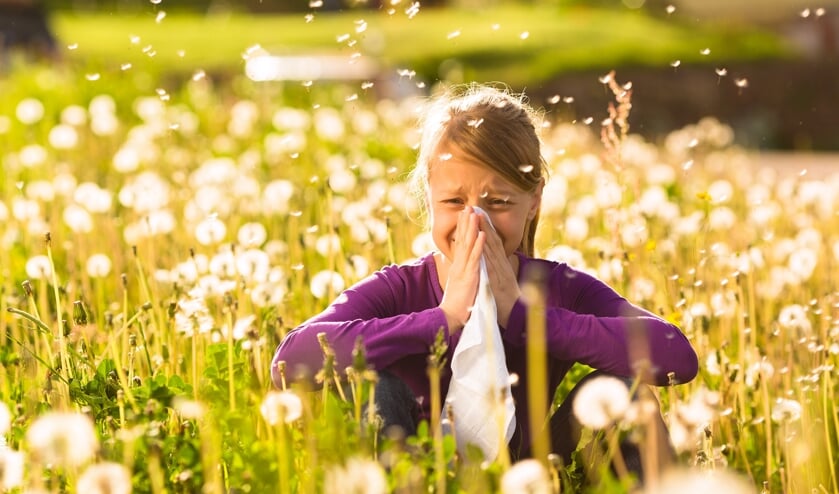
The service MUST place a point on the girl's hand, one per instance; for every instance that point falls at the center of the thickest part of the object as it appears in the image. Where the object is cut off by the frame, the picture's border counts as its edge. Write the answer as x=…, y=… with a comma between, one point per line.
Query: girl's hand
x=501, y=271
x=464, y=272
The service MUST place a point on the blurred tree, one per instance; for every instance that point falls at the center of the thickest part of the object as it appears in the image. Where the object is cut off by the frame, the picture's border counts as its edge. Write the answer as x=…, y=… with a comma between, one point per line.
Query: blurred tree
x=24, y=27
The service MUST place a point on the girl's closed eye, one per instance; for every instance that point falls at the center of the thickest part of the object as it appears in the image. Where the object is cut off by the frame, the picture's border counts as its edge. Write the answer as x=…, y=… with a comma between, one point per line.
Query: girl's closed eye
x=498, y=202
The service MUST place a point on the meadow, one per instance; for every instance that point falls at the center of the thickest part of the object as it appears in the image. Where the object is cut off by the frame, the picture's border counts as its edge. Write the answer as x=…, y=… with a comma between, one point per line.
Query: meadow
x=158, y=242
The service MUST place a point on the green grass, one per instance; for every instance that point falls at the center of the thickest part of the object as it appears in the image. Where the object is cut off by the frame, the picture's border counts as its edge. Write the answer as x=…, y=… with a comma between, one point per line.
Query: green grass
x=490, y=44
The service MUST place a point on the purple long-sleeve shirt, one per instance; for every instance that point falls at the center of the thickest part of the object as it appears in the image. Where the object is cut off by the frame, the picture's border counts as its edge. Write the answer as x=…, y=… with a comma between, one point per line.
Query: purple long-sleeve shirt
x=396, y=313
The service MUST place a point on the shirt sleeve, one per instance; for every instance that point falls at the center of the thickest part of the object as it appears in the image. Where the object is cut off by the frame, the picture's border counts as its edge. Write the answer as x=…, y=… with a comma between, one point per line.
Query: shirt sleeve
x=368, y=310
x=588, y=322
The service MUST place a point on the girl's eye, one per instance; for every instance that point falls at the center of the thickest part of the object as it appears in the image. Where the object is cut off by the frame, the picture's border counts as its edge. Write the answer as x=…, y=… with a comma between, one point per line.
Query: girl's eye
x=453, y=201
x=498, y=202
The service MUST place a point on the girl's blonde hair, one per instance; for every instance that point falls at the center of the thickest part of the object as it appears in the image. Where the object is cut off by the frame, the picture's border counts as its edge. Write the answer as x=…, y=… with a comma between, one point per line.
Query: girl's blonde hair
x=491, y=126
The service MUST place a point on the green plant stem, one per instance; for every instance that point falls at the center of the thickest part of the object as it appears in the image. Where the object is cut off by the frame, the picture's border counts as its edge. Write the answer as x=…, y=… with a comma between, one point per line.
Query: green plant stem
x=537, y=381
x=231, y=388
x=62, y=341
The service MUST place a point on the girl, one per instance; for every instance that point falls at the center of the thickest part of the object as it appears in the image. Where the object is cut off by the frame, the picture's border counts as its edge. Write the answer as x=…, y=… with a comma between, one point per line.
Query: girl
x=480, y=149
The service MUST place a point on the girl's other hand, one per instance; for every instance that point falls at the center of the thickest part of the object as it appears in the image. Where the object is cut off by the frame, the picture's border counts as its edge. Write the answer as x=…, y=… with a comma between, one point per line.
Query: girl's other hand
x=464, y=272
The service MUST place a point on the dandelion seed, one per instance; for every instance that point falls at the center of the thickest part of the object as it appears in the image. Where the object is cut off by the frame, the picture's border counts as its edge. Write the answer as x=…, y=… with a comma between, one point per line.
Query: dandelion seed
x=62, y=438
x=413, y=10
x=670, y=9
x=526, y=168
x=342, y=37
x=568, y=99
x=687, y=165
x=160, y=16
x=475, y=123
x=722, y=72
x=805, y=13
x=705, y=51
x=495, y=27
x=820, y=12
x=315, y=4
x=588, y=120
x=605, y=79
x=453, y=34
x=72, y=46
x=526, y=476
x=524, y=35
x=601, y=401
x=554, y=99
x=741, y=82
x=125, y=67
x=675, y=63
x=309, y=18
x=281, y=406
x=366, y=85
x=106, y=477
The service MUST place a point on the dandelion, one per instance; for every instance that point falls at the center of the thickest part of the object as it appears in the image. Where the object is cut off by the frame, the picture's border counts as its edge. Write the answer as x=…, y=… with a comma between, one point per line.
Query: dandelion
x=74, y=115
x=601, y=401
x=700, y=481
x=342, y=181
x=357, y=476
x=188, y=409
x=29, y=111
x=63, y=136
x=192, y=315
x=526, y=477
x=11, y=469
x=92, y=197
x=253, y=264
x=785, y=410
x=62, y=438
x=98, y=265
x=39, y=267
x=210, y=231
x=329, y=124
x=105, y=478
x=794, y=317
x=252, y=234
x=281, y=406
x=324, y=281
x=32, y=155
x=77, y=219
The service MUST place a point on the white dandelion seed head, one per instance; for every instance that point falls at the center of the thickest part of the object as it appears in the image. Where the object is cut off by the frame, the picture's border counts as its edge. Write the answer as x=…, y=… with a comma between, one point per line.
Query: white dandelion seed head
x=39, y=267
x=92, y=197
x=210, y=231
x=40, y=190
x=324, y=282
x=11, y=468
x=424, y=243
x=356, y=475
x=722, y=218
x=253, y=264
x=98, y=265
x=105, y=478
x=291, y=119
x=252, y=234
x=568, y=255
x=281, y=406
x=329, y=124
x=794, y=317
x=802, y=263
x=77, y=218
x=701, y=481
x=526, y=476
x=29, y=111
x=601, y=402
x=785, y=410
x=63, y=136
x=276, y=197
x=575, y=229
x=74, y=115
x=267, y=294
x=554, y=194
x=62, y=438
x=328, y=244
x=342, y=181
x=187, y=408
x=32, y=156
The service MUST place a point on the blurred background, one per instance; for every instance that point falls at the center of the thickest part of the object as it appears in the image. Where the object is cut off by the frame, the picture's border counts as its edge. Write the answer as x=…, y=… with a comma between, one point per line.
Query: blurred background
x=768, y=68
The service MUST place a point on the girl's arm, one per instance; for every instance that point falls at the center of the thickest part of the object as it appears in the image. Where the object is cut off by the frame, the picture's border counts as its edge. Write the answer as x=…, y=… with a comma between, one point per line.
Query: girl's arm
x=588, y=322
x=369, y=311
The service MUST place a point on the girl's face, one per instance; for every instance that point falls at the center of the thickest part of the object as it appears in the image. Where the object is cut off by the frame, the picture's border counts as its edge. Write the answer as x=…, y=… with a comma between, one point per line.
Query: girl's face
x=455, y=182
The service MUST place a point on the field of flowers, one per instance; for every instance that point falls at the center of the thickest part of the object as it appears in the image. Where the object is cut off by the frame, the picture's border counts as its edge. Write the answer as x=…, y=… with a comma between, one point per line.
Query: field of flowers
x=157, y=244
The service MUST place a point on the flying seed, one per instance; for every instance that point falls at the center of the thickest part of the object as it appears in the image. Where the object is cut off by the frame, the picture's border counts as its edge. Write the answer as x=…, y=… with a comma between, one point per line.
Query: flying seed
x=524, y=35
x=675, y=63
x=475, y=122
x=722, y=72
x=453, y=34
x=705, y=51
x=315, y=4
x=742, y=82
x=606, y=79
x=568, y=99
x=309, y=18
x=342, y=37
x=526, y=168
x=125, y=66
x=92, y=77
x=805, y=13
x=588, y=120
x=670, y=9
x=72, y=46
x=554, y=99
x=160, y=16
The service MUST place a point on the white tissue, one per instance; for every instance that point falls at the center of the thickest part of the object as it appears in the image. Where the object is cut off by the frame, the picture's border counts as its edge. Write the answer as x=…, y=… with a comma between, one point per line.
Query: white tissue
x=479, y=391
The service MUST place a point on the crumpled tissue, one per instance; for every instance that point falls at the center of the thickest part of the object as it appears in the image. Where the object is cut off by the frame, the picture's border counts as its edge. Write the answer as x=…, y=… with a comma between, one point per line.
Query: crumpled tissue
x=479, y=391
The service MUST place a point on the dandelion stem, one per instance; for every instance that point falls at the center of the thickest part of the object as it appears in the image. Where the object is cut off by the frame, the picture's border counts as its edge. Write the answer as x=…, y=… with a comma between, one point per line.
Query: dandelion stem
x=537, y=383
x=231, y=388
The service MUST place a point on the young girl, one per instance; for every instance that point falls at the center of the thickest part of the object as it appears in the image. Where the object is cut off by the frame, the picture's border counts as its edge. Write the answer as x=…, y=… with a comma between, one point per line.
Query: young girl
x=480, y=148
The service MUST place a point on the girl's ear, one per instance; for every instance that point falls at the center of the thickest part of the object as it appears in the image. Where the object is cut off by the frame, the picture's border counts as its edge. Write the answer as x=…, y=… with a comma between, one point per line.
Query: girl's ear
x=537, y=200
